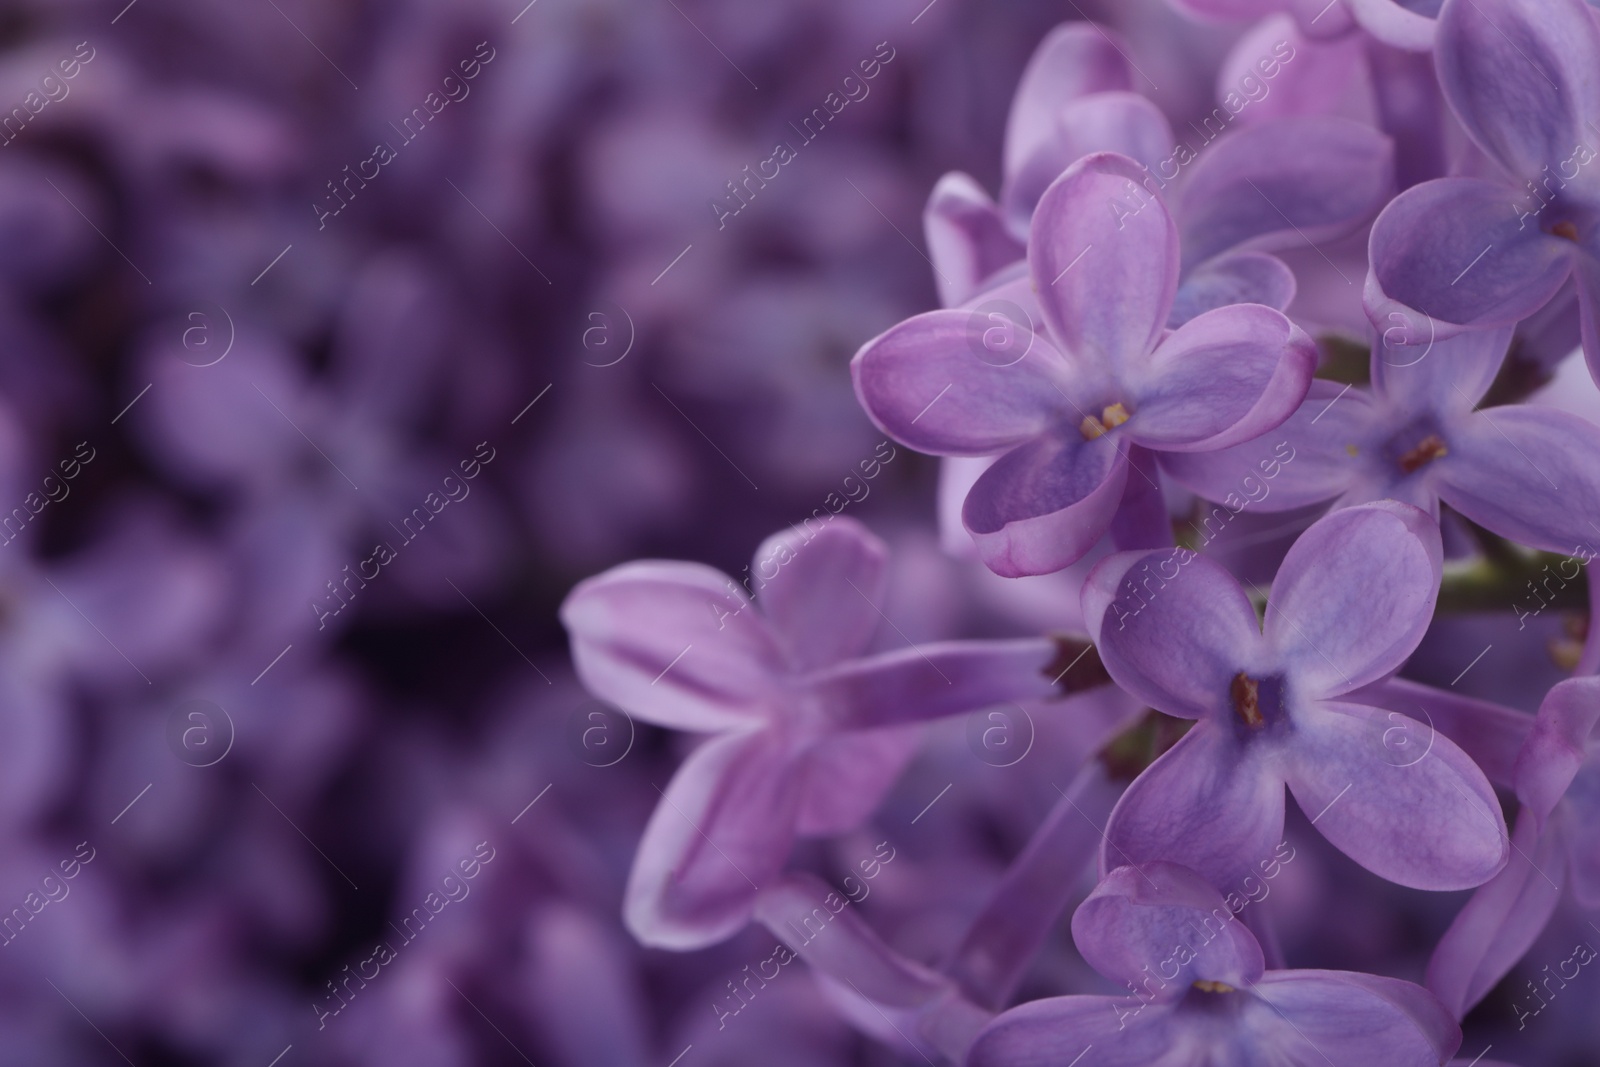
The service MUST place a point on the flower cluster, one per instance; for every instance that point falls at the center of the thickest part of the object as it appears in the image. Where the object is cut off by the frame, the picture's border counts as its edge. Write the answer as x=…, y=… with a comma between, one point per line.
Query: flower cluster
x=1138, y=334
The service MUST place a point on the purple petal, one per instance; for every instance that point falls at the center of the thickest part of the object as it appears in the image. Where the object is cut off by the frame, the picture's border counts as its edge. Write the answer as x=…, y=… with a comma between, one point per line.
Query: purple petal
x=1041, y=507
x=677, y=644
x=1308, y=1017
x=1162, y=912
x=1075, y=59
x=1587, y=276
x=1305, y=461
x=1123, y=1031
x=1557, y=746
x=1531, y=474
x=1500, y=922
x=1445, y=375
x=1103, y=254
x=1285, y=183
x=933, y=681
x=1343, y=774
x=1172, y=628
x=1316, y=78
x=821, y=927
x=1491, y=735
x=1209, y=803
x=1521, y=76
x=1222, y=379
x=930, y=384
x=967, y=238
x=1142, y=520
x=1121, y=122
x=1239, y=278
x=1354, y=596
x=818, y=586
x=722, y=831
x=1394, y=24
x=1456, y=250
x=844, y=777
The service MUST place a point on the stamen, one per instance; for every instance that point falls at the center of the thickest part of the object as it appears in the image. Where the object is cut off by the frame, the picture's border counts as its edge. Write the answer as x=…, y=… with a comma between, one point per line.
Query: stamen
x=1111, y=416
x=1246, y=692
x=1428, y=449
x=1565, y=228
x=1205, y=985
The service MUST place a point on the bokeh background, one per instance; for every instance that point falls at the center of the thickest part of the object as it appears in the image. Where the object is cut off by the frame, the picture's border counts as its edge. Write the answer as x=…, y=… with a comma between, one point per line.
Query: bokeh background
x=241, y=347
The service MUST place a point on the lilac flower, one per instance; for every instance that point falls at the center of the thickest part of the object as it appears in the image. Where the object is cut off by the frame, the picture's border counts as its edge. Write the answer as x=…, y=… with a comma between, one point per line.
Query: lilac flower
x=809, y=737
x=1351, y=601
x=1471, y=252
x=1202, y=994
x=1108, y=388
x=1529, y=473
x=1273, y=186
x=1557, y=845
x=1408, y=24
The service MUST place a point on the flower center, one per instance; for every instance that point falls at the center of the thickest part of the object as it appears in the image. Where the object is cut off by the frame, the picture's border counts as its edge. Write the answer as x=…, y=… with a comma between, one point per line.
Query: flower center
x=1205, y=985
x=1111, y=416
x=1566, y=229
x=1426, y=451
x=1246, y=692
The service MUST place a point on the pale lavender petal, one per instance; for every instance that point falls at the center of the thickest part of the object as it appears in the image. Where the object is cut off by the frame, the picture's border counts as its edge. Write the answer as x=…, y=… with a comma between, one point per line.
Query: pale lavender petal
x=845, y=776
x=1167, y=913
x=1531, y=474
x=1043, y=506
x=1074, y=59
x=1456, y=250
x=1103, y=253
x=821, y=927
x=930, y=384
x=1239, y=278
x=1354, y=596
x=933, y=681
x=1281, y=184
x=1521, y=76
x=1314, y=1017
x=1220, y=380
x=1211, y=803
x=1299, y=76
x=818, y=584
x=1557, y=746
x=1172, y=628
x=676, y=644
x=1122, y=1031
x=1500, y=922
x=967, y=238
x=1446, y=375
x=721, y=833
x=1317, y=455
x=1120, y=122
x=1343, y=775
x=1394, y=24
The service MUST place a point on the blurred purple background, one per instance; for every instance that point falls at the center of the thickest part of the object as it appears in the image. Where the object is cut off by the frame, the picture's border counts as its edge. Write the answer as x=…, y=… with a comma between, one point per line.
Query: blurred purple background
x=337, y=342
